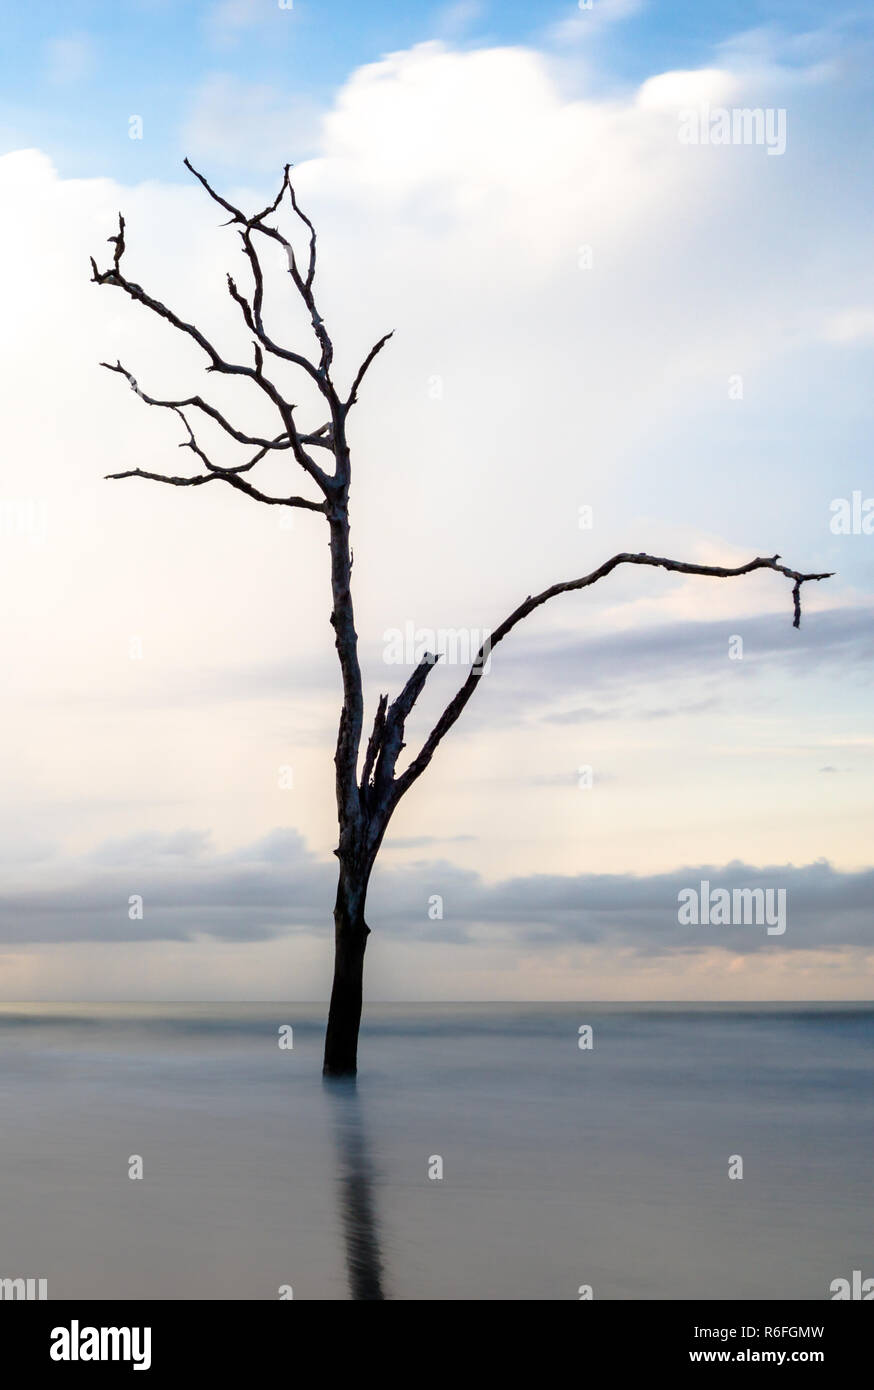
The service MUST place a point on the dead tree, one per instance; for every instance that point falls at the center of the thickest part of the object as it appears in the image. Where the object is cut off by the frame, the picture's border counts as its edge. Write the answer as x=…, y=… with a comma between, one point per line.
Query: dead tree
x=368, y=790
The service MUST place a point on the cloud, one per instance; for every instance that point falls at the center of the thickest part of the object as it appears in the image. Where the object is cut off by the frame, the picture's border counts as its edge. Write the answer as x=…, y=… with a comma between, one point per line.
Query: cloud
x=590, y=18
x=233, y=122
x=850, y=326
x=226, y=21
x=588, y=714
x=275, y=887
x=534, y=674
x=538, y=672
x=454, y=20
x=70, y=59
x=670, y=91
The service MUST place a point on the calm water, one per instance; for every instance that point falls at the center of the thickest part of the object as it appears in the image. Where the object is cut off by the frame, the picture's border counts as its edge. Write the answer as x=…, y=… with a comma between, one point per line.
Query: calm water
x=560, y=1167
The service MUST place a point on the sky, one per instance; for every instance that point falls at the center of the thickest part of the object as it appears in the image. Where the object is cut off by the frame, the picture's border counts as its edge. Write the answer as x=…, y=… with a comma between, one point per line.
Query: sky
x=608, y=337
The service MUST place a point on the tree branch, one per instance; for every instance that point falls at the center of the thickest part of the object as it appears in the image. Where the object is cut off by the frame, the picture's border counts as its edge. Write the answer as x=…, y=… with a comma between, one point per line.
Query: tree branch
x=359, y=377
x=303, y=284
x=254, y=324
x=217, y=362
x=373, y=744
x=453, y=710
x=281, y=441
x=390, y=737
x=227, y=476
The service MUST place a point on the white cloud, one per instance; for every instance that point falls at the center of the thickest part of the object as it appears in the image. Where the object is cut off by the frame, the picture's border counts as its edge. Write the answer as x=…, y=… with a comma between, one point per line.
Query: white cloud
x=670, y=90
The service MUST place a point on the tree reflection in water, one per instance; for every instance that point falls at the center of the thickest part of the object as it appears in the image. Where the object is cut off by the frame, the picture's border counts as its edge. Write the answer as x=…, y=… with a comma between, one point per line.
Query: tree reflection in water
x=355, y=1178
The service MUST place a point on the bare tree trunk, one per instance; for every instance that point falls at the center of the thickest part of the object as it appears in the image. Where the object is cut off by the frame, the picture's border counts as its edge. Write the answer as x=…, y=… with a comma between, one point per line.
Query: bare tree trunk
x=350, y=939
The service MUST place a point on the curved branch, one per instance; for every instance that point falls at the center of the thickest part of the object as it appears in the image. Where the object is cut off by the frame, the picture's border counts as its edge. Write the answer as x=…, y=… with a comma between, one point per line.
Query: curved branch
x=226, y=477
x=359, y=376
x=457, y=703
x=311, y=269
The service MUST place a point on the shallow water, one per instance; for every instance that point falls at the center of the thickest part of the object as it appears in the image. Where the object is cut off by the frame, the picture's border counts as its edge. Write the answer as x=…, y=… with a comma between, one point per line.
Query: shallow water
x=561, y=1167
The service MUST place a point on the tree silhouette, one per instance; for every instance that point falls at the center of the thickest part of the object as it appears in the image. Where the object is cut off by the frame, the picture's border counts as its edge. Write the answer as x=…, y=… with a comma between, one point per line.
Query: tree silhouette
x=367, y=791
